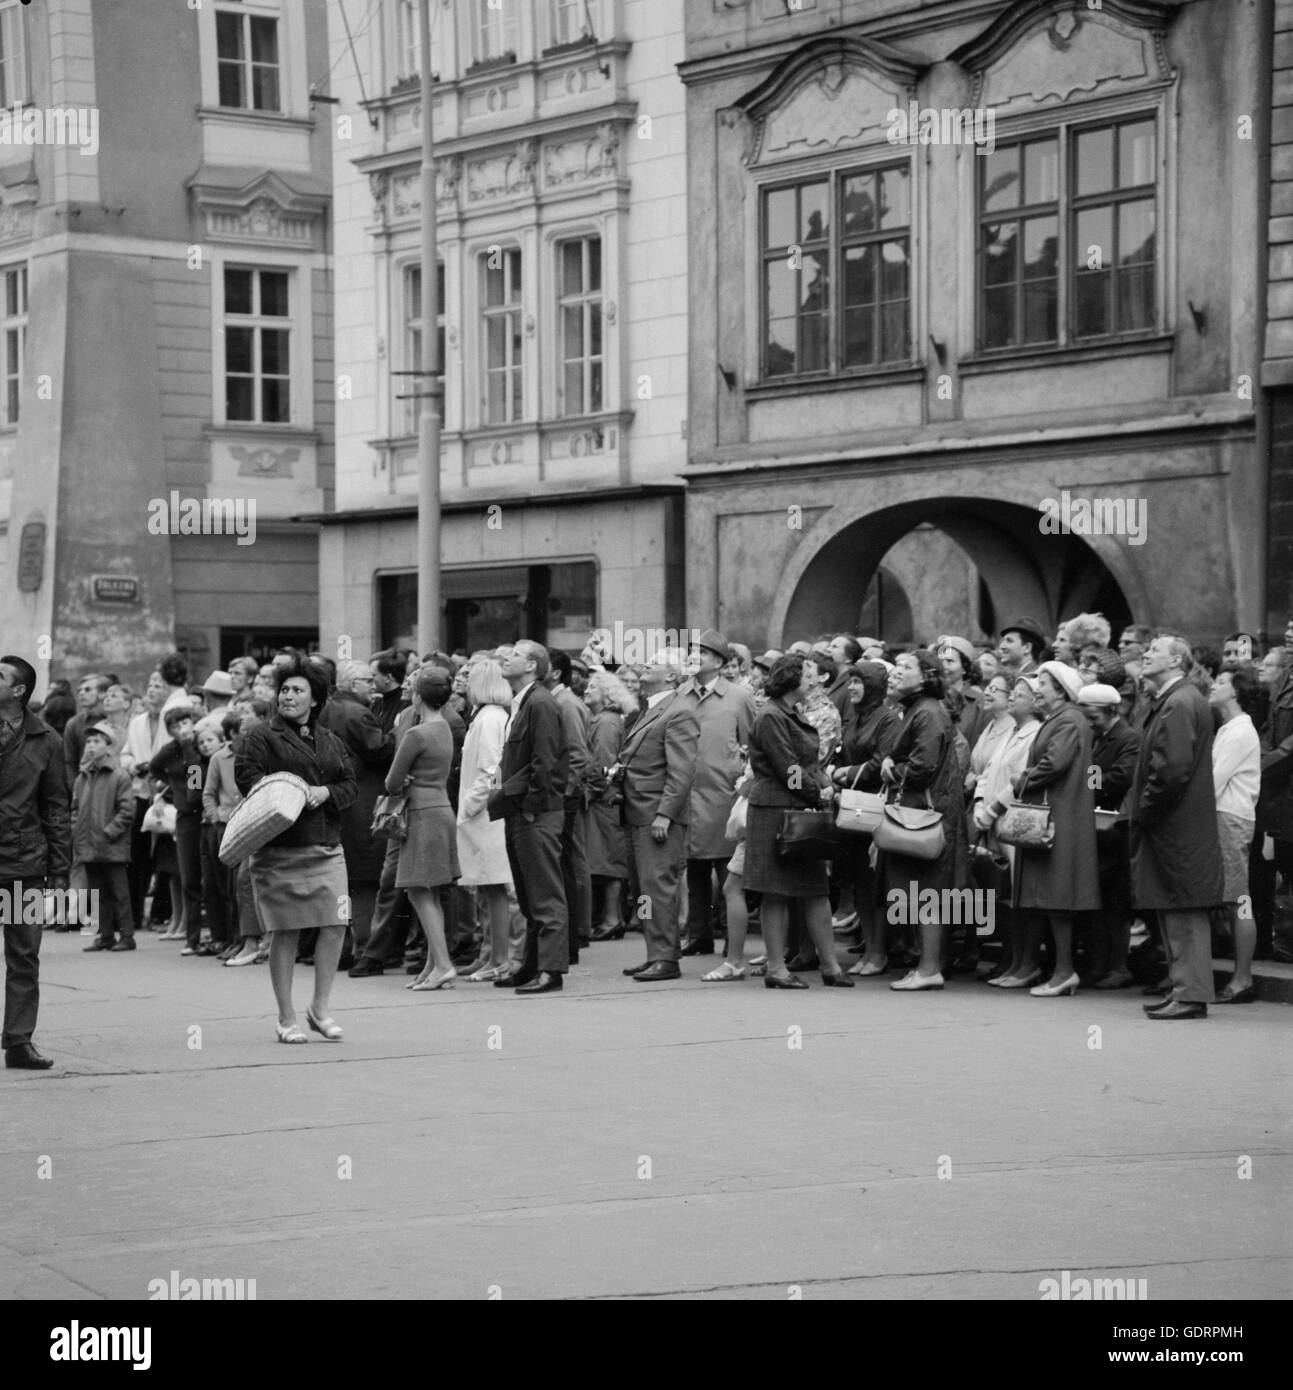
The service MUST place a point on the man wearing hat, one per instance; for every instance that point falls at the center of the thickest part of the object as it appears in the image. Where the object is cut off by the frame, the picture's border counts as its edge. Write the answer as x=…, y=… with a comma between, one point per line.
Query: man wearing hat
x=759, y=669
x=103, y=809
x=1115, y=747
x=1020, y=647
x=725, y=713
x=658, y=762
x=217, y=693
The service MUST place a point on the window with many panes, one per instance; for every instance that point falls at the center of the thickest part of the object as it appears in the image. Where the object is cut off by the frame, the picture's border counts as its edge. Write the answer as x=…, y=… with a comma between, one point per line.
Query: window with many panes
x=503, y=336
x=836, y=273
x=408, y=40
x=257, y=345
x=496, y=28
x=13, y=54
x=574, y=21
x=247, y=59
x=14, y=330
x=580, y=351
x=1068, y=235
x=412, y=281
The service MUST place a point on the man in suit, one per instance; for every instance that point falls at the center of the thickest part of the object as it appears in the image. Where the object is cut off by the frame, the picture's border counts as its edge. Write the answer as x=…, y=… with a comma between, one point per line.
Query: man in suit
x=35, y=849
x=1175, y=852
x=574, y=833
x=530, y=799
x=658, y=762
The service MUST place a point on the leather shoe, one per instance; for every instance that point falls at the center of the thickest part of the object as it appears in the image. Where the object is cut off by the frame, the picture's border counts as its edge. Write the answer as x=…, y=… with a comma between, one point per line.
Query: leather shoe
x=1156, y=989
x=1154, y=1008
x=635, y=969
x=545, y=982
x=803, y=963
x=125, y=944
x=604, y=934
x=98, y=944
x=364, y=967
x=659, y=970
x=1230, y=995
x=25, y=1058
x=513, y=980
x=696, y=948
x=1176, y=1009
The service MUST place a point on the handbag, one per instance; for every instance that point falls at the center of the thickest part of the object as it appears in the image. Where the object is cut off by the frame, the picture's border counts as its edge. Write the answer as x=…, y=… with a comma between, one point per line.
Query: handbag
x=391, y=816
x=805, y=836
x=914, y=831
x=272, y=805
x=159, y=819
x=1027, y=826
x=859, y=812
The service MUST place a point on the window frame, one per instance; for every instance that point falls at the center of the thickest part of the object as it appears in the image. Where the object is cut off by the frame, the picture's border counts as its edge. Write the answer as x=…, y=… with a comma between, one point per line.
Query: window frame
x=15, y=324
x=833, y=172
x=592, y=303
x=411, y=325
x=507, y=16
x=247, y=14
x=583, y=11
x=13, y=19
x=520, y=364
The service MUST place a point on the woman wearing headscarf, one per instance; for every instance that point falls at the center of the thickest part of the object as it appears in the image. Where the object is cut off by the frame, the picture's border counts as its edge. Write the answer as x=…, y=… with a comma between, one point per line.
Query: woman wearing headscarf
x=1053, y=884
x=922, y=770
x=871, y=728
x=299, y=877
x=965, y=700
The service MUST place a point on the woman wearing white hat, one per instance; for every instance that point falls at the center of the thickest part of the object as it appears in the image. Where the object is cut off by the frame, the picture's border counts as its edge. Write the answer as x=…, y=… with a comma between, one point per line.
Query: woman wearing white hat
x=1055, y=883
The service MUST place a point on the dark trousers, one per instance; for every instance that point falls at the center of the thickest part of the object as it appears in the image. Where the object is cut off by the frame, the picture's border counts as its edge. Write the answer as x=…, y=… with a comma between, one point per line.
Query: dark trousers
x=382, y=940
x=575, y=877
x=22, y=974
x=534, y=852
x=141, y=861
x=659, y=866
x=218, y=892
x=363, y=902
x=188, y=854
x=701, y=900
x=111, y=884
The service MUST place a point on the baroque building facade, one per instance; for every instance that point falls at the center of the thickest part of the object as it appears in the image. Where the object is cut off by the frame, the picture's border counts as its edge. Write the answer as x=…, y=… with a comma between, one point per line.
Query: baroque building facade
x=561, y=213
x=976, y=266
x=167, y=335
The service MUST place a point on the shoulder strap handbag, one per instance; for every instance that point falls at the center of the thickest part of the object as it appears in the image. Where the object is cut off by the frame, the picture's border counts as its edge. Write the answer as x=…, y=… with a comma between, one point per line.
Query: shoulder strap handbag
x=807, y=835
x=913, y=831
x=858, y=812
x=1027, y=826
x=391, y=816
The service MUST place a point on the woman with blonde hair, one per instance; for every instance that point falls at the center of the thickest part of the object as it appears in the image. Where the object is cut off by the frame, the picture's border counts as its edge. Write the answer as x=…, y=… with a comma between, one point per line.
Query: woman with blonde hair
x=609, y=700
x=1085, y=630
x=482, y=847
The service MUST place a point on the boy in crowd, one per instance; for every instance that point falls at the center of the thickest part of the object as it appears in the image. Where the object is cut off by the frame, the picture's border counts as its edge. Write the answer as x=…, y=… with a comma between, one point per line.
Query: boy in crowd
x=103, y=808
x=179, y=765
x=219, y=797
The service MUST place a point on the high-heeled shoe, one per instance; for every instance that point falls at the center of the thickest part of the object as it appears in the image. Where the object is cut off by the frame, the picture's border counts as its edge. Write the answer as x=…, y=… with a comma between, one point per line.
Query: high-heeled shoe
x=1048, y=991
x=435, y=979
x=329, y=1028
x=788, y=982
x=839, y=980
x=1019, y=981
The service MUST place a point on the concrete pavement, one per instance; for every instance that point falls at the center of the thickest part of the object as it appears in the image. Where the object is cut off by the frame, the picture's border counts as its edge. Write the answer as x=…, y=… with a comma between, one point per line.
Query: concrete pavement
x=672, y=1141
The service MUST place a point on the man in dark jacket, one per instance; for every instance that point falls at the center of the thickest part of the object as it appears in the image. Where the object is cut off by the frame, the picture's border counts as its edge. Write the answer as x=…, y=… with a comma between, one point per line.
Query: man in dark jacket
x=35, y=849
x=179, y=764
x=1175, y=852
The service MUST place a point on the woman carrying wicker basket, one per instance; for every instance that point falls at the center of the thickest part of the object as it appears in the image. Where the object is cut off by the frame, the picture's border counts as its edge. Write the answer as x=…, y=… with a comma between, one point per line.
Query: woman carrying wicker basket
x=299, y=877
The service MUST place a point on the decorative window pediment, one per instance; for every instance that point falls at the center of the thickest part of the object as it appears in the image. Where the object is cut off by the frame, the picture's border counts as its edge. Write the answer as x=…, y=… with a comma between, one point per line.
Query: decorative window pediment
x=833, y=93
x=264, y=206
x=1046, y=51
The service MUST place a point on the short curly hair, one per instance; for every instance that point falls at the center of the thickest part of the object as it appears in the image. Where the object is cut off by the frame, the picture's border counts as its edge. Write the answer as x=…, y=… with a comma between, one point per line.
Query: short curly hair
x=1087, y=630
x=787, y=674
x=313, y=673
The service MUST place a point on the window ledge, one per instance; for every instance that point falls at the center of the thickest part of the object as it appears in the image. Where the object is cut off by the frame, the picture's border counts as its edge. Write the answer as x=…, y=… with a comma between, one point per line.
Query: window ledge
x=1008, y=360
x=804, y=386
x=301, y=433
x=242, y=115
x=504, y=60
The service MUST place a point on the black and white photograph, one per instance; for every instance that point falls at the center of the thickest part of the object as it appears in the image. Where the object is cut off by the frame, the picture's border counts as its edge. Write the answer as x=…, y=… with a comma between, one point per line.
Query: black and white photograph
x=532, y=531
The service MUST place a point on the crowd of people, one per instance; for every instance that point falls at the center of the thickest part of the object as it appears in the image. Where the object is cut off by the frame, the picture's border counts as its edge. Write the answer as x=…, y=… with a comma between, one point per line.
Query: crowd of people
x=1123, y=807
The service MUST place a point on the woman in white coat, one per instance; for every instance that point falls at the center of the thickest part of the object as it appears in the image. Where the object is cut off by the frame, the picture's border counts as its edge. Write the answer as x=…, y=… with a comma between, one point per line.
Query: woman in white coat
x=482, y=849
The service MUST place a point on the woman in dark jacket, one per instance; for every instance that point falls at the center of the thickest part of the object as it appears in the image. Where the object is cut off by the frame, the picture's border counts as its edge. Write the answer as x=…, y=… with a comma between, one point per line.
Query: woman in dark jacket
x=784, y=763
x=923, y=767
x=1052, y=884
x=299, y=878
x=871, y=728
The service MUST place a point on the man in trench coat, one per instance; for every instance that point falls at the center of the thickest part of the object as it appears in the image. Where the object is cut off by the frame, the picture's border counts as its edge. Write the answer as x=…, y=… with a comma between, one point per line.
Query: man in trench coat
x=1175, y=853
x=725, y=713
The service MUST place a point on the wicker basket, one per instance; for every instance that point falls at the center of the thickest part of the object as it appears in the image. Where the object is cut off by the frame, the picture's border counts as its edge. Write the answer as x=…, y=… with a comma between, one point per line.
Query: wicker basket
x=274, y=803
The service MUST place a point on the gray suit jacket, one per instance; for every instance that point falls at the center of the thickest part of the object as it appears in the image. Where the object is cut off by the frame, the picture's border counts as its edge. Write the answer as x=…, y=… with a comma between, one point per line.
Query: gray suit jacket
x=659, y=761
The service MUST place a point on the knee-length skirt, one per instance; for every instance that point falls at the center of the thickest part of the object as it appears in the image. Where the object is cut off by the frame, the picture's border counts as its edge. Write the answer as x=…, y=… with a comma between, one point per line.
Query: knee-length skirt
x=766, y=871
x=299, y=886
x=429, y=854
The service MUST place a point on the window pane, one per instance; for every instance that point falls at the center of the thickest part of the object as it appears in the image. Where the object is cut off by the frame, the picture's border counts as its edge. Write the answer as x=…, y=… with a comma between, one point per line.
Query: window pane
x=859, y=337
x=237, y=291
x=1001, y=179
x=999, y=317
x=264, y=89
x=264, y=40
x=493, y=288
x=814, y=216
x=1094, y=239
x=780, y=357
x=814, y=281
x=1136, y=233
x=1136, y=154
x=413, y=292
x=893, y=261
x=893, y=328
x=859, y=207
x=1092, y=303
x=595, y=386
x=496, y=397
x=594, y=263
x=1039, y=311
x=496, y=340
x=229, y=36
x=1136, y=298
x=1000, y=246
x=273, y=351
x=1094, y=161
x=237, y=349
x=1041, y=171
x=780, y=212
x=11, y=293
x=11, y=401
x=237, y=398
x=273, y=293
x=895, y=198
x=513, y=263
x=595, y=329
x=814, y=340
x=574, y=394
x=572, y=328
x=572, y=267
x=274, y=394
x=859, y=275
x=1039, y=247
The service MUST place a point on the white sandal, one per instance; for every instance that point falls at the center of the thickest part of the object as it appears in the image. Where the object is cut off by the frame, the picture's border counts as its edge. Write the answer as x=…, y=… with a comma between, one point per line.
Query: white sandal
x=726, y=971
x=290, y=1034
